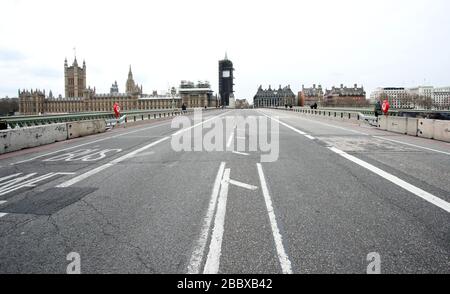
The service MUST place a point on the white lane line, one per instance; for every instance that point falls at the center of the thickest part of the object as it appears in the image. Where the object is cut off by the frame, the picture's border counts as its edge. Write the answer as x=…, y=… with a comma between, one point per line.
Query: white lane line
x=9, y=177
x=282, y=256
x=215, y=247
x=240, y=153
x=397, y=181
x=87, y=143
x=230, y=140
x=412, y=145
x=310, y=137
x=284, y=124
x=92, y=142
x=2, y=214
x=7, y=185
x=126, y=156
x=333, y=126
x=243, y=185
x=2, y=202
x=84, y=176
x=199, y=250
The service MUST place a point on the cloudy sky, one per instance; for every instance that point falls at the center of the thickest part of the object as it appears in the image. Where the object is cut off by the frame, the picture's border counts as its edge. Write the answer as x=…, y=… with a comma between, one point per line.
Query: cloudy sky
x=328, y=42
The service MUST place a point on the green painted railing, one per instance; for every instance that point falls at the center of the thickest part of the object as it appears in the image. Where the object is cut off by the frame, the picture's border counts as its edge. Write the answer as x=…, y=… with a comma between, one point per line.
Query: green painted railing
x=35, y=120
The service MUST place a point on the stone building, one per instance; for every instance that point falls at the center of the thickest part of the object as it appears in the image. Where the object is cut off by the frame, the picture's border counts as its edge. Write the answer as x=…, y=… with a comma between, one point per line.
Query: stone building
x=81, y=99
x=197, y=95
x=343, y=96
x=310, y=96
x=273, y=98
x=74, y=79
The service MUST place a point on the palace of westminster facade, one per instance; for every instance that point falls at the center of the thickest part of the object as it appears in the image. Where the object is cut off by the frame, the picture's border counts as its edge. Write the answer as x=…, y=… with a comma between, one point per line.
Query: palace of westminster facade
x=79, y=98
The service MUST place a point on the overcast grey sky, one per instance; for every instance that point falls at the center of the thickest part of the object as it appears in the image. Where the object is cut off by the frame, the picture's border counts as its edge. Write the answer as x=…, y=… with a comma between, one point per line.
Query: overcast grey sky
x=328, y=42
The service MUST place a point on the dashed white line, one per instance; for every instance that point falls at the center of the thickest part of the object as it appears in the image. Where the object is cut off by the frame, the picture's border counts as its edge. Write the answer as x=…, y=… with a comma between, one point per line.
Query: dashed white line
x=2, y=214
x=215, y=247
x=282, y=256
x=2, y=202
x=397, y=181
x=198, y=252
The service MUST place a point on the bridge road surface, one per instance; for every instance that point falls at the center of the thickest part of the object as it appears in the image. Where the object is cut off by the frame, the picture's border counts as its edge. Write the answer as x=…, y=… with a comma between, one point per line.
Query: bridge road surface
x=336, y=193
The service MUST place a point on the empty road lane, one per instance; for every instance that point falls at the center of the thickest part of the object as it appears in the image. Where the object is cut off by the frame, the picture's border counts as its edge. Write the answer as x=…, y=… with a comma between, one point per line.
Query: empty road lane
x=235, y=191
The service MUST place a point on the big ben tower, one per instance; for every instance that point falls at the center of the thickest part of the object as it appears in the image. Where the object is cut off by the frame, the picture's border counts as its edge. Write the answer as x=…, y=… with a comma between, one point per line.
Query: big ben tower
x=225, y=81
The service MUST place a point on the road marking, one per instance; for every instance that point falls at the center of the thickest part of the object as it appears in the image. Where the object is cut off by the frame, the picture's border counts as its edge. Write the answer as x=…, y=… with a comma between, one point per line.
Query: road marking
x=92, y=142
x=128, y=156
x=9, y=177
x=310, y=137
x=199, y=250
x=240, y=153
x=284, y=124
x=87, y=143
x=215, y=247
x=86, y=155
x=413, y=145
x=17, y=183
x=230, y=140
x=333, y=126
x=282, y=256
x=2, y=214
x=399, y=182
x=2, y=202
x=243, y=185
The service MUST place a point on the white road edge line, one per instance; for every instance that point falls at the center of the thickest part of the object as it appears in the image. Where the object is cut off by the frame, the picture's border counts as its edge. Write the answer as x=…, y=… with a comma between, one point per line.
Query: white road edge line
x=243, y=185
x=2, y=214
x=310, y=137
x=215, y=247
x=397, y=181
x=284, y=124
x=199, y=250
x=333, y=126
x=282, y=256
x=128, y=156
x=412, y=145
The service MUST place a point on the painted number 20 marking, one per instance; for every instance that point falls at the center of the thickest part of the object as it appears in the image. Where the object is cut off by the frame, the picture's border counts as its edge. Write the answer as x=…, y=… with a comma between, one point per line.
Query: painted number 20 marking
x=86, y=155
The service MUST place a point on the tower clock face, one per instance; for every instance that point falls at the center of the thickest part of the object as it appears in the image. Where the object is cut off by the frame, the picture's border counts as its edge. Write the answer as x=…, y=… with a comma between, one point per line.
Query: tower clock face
x=226, y=74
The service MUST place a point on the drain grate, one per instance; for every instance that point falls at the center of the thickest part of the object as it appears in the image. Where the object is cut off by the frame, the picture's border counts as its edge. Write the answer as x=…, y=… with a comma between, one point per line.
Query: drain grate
x=47, y=202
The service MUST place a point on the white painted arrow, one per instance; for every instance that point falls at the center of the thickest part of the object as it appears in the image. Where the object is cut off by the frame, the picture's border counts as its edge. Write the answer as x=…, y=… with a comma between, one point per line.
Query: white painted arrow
x=243, y=185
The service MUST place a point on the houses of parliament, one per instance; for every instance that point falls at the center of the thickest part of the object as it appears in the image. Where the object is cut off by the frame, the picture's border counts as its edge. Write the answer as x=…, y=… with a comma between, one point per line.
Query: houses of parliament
x=80, y=98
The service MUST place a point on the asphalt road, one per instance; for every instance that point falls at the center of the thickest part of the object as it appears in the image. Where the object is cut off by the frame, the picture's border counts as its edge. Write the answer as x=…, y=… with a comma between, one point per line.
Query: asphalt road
x=127, y=201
